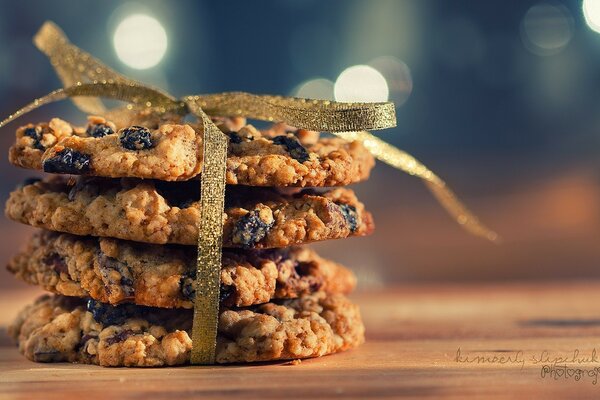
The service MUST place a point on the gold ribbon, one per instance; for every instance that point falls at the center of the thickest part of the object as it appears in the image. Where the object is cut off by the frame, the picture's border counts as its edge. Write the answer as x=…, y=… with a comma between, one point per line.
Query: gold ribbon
x=86, y=79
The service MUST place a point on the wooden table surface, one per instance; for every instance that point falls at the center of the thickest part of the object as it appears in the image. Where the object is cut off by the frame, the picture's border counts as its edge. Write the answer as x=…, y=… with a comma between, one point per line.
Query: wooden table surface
x=515, y=340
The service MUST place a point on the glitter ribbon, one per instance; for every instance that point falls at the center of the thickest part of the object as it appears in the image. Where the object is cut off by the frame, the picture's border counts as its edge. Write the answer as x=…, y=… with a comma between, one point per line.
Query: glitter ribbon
x=86, y=80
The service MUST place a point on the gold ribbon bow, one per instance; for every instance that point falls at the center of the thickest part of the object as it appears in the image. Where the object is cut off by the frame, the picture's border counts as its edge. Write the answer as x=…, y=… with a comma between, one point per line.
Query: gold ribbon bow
x=86, y=79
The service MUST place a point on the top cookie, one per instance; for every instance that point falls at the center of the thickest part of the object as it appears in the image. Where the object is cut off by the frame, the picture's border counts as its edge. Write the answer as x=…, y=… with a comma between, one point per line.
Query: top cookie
x=172, y=151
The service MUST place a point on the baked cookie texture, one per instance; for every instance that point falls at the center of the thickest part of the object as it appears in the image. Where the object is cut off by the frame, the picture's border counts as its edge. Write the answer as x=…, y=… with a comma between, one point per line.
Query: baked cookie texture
x=116, y=271
x=118, y=249
x=58, y=328
x=168, y=212
x=172, y=151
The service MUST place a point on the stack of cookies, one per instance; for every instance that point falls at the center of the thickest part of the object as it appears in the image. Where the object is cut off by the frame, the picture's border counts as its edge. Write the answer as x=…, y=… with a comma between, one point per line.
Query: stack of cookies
x=119, y=229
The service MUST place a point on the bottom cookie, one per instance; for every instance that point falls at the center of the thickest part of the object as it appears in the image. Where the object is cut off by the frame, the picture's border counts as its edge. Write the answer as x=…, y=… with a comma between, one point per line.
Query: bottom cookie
x=58, y=328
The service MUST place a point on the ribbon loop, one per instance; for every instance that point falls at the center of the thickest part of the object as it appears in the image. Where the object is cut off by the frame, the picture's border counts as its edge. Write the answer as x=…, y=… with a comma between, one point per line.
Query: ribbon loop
x=317, y=115
x=131, y=92
x=75, y=67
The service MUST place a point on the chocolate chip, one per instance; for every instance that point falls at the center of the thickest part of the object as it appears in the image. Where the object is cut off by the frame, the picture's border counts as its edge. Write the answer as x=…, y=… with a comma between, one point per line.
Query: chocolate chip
x=99, y=130
x=253, y=227
x=67, y=161
x=36, y=136
x=107, y=314
x=136, y=138
x=125, y=280
x=292, y=146
x=119, y=337
x=57, y=263
x=350, y=215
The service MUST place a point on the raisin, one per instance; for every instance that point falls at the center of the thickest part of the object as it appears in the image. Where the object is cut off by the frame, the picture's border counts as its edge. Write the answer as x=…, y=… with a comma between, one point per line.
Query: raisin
x=36, y=136
x=304, y=268
x=350, y=215
x=48, y=356
x=292, y=146
x=125, y=280
x=314, y=284
x=57, y=263
x=136, y=138
x=178, y=194
x=234, y=137
x=99, y=130
x=85, y=338
x=119, y=337
x=68, y=161
x=304, y=273
x=79, y=186
x=253, y=227
x=29, y=181
x=83, y=342
x=188, y=290
x=32, y=133
x=107, y=314
x=299, y=275
x=186, y=284
x=226, y=293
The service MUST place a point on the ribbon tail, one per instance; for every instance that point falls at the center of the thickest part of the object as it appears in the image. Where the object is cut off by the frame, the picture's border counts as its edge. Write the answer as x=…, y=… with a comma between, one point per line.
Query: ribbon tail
x=403, y=161
x=51, y=97
x=448, y=199
x=210, y=241
x=133, y=93
x=346, y=120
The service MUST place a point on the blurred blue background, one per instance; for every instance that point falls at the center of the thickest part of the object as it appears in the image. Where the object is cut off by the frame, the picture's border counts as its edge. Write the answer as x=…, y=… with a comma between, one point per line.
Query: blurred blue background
x=499, y=98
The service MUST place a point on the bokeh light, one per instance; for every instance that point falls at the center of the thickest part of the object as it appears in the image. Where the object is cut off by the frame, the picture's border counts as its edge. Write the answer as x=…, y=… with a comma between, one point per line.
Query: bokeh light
x=547, y=28
x=140, y=41
x=361, y=83
x=398, y=77
x=318, y=88
x=591, y=12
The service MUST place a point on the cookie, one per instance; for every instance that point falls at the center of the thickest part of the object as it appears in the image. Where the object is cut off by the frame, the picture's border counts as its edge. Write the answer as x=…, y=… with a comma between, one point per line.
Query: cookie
x=173, y=152
x=58, y=328
x=116, y=271
x=168, y=212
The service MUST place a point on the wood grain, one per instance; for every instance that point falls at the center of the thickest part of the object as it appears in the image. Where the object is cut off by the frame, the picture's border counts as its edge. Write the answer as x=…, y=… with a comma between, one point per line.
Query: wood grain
x=413, y=337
